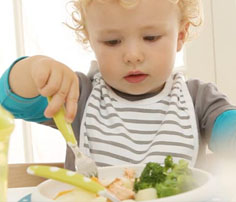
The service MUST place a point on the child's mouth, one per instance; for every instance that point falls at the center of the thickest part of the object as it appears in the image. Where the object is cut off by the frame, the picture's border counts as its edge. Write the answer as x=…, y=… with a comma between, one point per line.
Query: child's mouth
x=135, y=77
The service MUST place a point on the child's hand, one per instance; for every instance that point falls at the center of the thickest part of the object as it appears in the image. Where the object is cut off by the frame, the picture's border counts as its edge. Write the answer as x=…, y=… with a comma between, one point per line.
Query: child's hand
x=55, y=79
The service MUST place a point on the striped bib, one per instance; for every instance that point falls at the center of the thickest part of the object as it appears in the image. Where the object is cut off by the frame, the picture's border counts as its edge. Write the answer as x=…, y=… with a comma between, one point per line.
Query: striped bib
x=117, y=131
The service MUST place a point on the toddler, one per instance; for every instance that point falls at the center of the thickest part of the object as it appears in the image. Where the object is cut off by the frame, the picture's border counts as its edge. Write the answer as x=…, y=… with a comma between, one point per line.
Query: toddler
x=132, y=108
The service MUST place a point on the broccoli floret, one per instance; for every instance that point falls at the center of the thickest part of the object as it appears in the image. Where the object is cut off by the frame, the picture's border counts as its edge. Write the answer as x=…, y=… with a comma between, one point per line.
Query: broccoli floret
x=141, y=185
x=167, y=188
x=168, y=180
x=169, y=163
x=178, y=180
x=152, y=174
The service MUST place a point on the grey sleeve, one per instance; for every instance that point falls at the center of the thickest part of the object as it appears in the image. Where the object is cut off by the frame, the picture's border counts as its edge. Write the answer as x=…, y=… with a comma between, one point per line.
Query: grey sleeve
x=85, y=87
x=208, y=103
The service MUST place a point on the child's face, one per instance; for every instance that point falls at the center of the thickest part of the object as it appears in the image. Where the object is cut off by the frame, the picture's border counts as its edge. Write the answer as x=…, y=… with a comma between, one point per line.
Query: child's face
x=136, y=47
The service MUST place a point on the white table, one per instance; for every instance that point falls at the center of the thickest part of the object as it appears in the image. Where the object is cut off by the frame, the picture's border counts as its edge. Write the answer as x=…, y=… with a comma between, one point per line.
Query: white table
x=15, y=194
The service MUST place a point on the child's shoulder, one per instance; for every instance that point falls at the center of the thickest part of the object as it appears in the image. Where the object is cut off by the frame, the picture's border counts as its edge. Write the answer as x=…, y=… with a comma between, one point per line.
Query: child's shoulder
x=199, y=85
x=204, y=91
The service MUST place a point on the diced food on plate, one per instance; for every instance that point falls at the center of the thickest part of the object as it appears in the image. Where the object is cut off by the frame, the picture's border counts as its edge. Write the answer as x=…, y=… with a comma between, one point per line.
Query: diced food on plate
x=155, y=181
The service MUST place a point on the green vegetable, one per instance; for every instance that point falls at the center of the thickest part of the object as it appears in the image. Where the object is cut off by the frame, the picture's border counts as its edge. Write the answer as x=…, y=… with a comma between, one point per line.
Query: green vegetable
x=168, y=180
x=169, y=163
x=152, y=174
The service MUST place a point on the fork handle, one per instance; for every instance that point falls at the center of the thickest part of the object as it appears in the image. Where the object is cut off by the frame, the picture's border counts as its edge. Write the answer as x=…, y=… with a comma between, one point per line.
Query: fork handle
x=64, y=127
x=66, y=176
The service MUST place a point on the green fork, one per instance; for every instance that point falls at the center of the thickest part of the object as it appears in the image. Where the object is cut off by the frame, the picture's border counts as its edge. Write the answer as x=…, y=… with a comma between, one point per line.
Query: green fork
x=83, y=164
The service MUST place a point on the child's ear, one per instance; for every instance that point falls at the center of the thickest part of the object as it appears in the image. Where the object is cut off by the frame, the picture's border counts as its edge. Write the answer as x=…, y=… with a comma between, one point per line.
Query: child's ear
x=182, y=36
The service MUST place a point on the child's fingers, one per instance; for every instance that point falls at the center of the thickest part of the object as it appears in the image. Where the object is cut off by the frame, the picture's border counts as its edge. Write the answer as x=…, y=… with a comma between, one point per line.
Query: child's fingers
x=41, y=76
x=53, y=84
x=59, y=98
x=72, y=102
x=68, y=93
x=64, y=88
x=53, y=106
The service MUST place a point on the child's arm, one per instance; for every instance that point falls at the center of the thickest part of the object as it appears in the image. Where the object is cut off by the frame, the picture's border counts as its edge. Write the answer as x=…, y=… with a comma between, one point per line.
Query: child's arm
x=41, y=75
x=29, y=109
x=213, y=111
x=223, y=138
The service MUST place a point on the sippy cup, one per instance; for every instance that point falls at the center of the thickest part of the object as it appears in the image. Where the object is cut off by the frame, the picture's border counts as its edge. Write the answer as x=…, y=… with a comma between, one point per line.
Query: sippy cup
x=6, y=128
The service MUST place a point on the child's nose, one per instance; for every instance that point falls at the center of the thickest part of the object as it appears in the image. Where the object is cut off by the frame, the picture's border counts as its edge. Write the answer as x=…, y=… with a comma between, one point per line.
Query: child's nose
x=133, y=55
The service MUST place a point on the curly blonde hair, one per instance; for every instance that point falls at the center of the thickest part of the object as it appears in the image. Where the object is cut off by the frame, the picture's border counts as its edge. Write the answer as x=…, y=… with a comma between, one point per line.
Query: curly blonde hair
x=190, y=10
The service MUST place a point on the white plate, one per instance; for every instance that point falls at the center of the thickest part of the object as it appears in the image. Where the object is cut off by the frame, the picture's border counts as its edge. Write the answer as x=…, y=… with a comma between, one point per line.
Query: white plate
x=205, y=192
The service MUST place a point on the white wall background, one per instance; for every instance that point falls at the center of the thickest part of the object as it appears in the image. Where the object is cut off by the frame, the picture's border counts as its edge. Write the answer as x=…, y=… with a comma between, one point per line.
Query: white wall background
x=212, y=56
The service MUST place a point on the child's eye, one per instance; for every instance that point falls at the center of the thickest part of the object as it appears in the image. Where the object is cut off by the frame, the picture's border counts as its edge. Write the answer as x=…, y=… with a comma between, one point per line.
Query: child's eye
x=112, y=42
x=151, y=38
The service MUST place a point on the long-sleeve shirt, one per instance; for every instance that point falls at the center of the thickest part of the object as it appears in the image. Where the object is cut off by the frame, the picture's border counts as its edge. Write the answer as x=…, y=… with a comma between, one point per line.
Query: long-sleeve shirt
x=216, y=117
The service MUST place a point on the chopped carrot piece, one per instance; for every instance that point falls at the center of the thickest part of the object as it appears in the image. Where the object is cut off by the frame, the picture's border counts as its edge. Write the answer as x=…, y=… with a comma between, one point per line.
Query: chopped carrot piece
x=96, y=180
x=63, y=193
